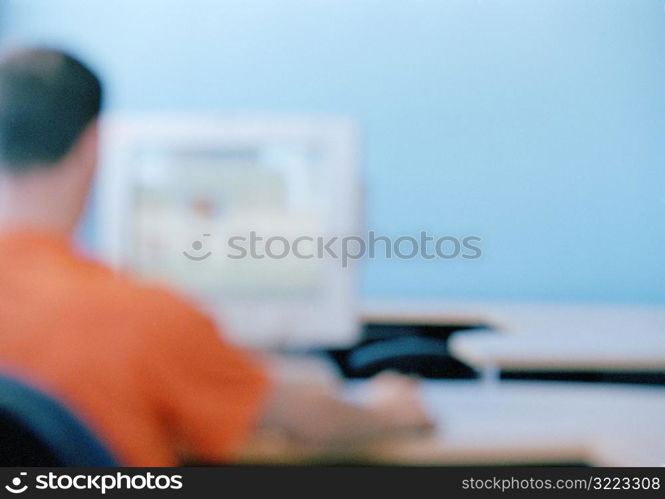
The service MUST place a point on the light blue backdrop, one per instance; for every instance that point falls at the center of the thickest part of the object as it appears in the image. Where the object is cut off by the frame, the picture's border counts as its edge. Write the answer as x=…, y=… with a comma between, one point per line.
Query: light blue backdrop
x=539, y=126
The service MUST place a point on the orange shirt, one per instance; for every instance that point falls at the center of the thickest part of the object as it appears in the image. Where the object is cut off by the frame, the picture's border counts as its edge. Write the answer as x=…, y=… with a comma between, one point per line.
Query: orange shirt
x=146, y=371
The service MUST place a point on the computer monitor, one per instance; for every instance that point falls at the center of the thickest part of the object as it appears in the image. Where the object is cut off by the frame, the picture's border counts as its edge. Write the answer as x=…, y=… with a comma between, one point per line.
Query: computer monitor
x=207, y=205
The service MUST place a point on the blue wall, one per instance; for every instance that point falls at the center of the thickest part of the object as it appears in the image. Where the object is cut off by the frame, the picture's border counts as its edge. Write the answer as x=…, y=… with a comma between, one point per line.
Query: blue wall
x=539, y=126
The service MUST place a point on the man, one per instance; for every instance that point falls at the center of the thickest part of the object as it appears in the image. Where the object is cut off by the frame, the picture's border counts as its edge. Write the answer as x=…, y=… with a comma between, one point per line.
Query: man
x=146, y=371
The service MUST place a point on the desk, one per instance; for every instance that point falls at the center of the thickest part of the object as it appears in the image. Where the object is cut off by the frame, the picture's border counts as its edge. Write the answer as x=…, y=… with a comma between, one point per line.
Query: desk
x=529, y=422
x=545, y=336
x=520, y=422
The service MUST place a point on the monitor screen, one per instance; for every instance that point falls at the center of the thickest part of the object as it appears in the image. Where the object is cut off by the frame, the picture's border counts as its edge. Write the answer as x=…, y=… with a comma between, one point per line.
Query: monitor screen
x=230, y=213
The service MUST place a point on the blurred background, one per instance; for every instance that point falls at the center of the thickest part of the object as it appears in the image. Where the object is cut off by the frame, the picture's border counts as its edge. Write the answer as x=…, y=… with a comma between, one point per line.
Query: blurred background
x=537, y=126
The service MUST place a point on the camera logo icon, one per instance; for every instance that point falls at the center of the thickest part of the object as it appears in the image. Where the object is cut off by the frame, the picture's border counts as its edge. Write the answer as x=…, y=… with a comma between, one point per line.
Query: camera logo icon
x=15, y=487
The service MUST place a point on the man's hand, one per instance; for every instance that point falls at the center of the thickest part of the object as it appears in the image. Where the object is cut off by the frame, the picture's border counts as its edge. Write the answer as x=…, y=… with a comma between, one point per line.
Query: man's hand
x=396, y=399
x=315, y=414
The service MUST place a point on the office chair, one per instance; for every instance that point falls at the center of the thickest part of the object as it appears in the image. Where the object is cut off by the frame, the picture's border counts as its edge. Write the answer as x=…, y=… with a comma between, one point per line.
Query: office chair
x=36, y=430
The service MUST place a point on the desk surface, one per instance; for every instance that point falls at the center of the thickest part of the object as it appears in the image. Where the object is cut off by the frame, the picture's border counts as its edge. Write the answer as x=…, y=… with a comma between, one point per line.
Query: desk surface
x=522, y=422
x=530, y=422
x=530, y=336
x=602, y=425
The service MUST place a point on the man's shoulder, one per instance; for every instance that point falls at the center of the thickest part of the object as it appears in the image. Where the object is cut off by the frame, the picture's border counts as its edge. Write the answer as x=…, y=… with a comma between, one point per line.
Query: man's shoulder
x=142, y=301
x=153, y=298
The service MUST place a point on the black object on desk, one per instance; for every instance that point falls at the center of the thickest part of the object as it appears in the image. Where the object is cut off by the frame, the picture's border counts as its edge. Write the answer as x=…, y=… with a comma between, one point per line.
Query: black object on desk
x=415, y=349
x=614, y=377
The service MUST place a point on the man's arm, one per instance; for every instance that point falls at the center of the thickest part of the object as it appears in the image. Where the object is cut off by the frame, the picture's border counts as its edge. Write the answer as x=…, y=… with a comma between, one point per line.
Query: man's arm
x=314, y=415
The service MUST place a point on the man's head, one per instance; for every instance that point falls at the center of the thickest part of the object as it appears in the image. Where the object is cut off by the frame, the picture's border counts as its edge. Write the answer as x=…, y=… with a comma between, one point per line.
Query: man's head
x=49, y=104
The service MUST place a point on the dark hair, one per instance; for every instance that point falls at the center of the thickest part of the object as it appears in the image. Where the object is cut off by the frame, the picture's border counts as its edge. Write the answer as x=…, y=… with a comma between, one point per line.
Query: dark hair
x=47, y=98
